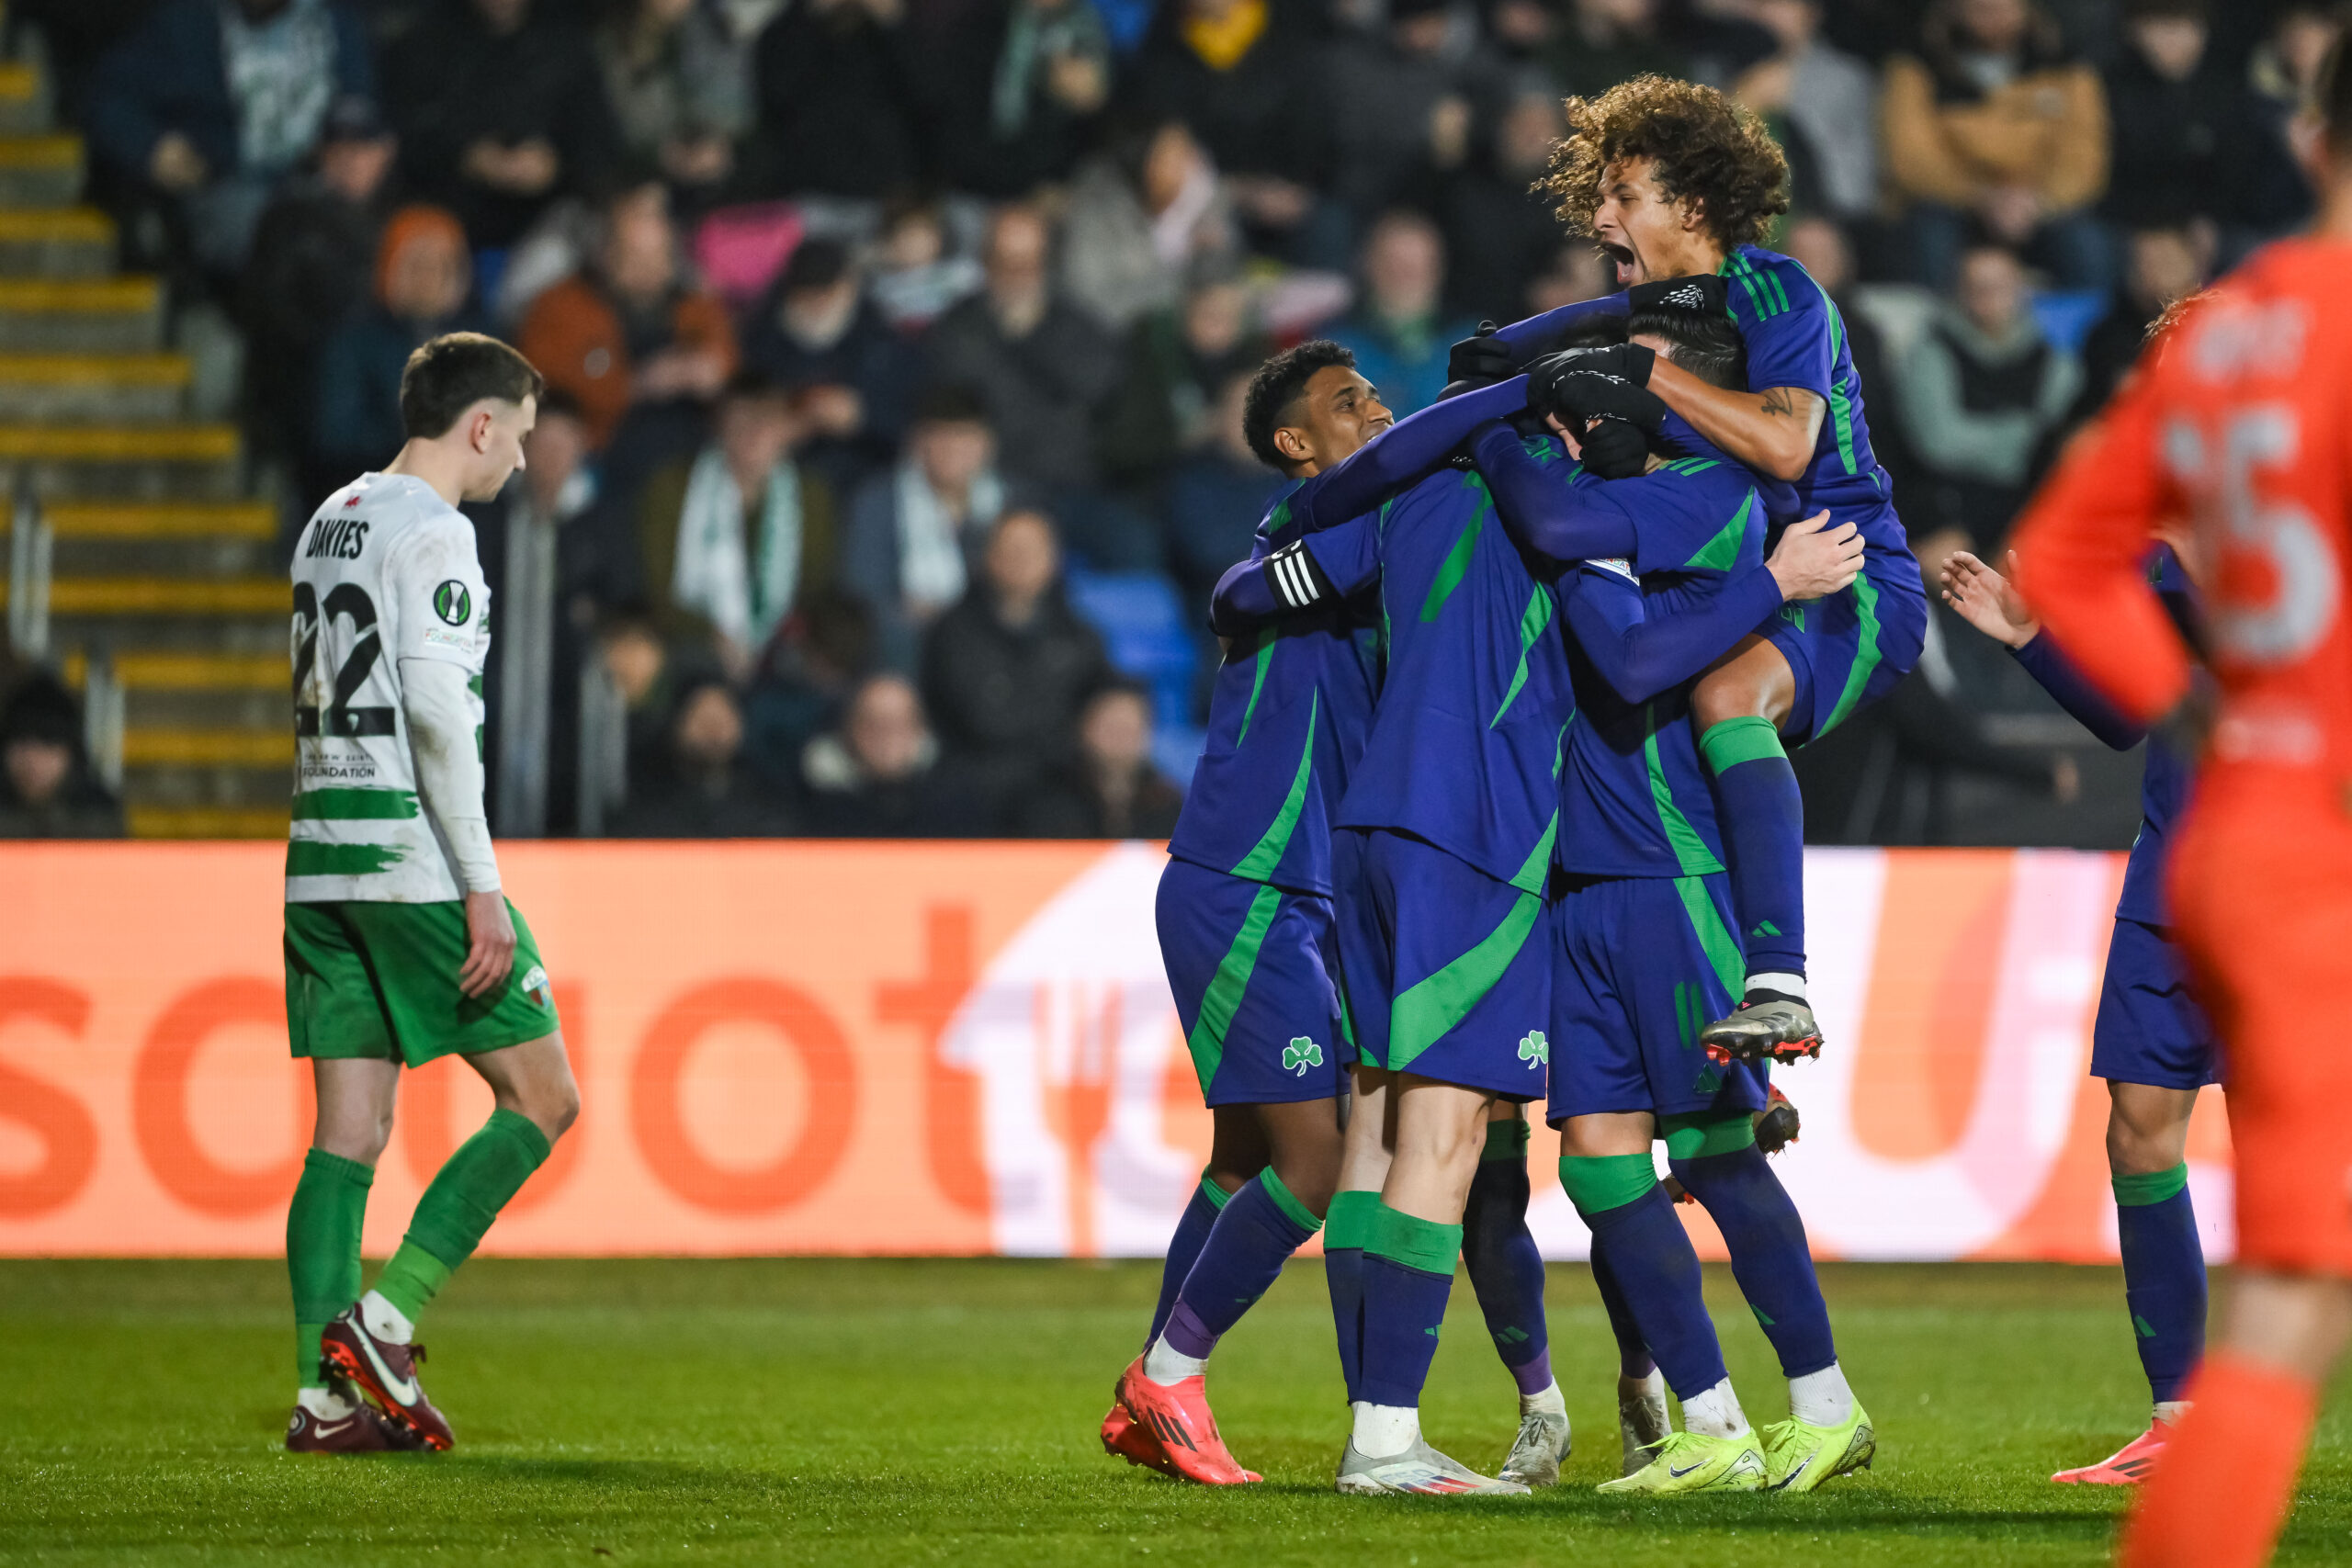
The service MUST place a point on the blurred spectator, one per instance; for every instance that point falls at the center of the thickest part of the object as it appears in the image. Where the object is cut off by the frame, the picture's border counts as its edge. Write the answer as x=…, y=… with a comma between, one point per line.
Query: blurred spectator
x=1403, y=98
x=1981, y=390
x=423, y=278
x=47, y=790
x=736, y=536
x=2193, y=142
x=1109, y=790
x=1576, y=272
x=208, y=103
x=1216, y=498
x=1830, y=99
x=1822, y=248
x=680, y=87
x=1399, y=337
x=1500, y=235
x=313, y=256
x=1005, y=671
x=701, y=789
x=649, y=678
x=500, y=110
x=2286, y=64
x=803, y=684
x=1995, y=121
x=628, y=329
x=2160, y=267
x=1177, y=361
x=879, y=777
x=1248, y=81
x=851, y=376
x=1609, y=41
x=1040, y=362
x=837, y=111
x=915, y=532
x=1143, y=215
x=916, y=278
x=1015, y=86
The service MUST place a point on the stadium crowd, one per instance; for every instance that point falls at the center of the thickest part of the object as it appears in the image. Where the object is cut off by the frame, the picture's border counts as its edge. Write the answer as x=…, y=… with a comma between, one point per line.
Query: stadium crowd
x=895, y=347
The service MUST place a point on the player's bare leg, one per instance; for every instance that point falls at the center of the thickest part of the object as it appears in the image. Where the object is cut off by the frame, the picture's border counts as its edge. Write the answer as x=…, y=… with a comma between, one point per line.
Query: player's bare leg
x=1738, y=709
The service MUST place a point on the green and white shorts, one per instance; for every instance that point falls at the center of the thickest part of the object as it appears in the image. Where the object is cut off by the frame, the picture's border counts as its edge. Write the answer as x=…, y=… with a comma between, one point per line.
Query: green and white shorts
x=369, y=979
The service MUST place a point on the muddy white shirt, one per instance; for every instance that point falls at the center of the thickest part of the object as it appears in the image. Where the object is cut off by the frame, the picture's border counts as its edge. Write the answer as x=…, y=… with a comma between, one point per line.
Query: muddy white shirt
x=385, y=571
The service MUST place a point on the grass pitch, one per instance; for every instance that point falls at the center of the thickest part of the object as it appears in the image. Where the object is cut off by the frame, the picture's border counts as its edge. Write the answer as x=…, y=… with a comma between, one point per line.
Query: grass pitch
x=857, y=1412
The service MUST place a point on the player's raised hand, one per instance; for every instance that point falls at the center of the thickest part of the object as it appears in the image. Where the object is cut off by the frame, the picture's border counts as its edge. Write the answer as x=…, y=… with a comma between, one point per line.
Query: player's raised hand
x=490, y=950
x=1481, y=360
x=1987, y=600
x=1814, y=560
x=1612, y=449
x=1582, y=383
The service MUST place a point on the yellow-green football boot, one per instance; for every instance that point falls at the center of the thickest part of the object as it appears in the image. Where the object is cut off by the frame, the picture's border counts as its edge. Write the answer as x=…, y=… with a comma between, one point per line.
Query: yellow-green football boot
x=1686, y=1462
x=1800, y=1455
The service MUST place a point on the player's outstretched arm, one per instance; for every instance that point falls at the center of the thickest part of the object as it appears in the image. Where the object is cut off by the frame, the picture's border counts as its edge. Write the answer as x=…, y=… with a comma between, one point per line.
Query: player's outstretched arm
x=1987, y=600
x=1299, y=578
x=1773, y=431
x=450, y=776
x=1399, y=457
x=1544, y=512
x=1522, y=341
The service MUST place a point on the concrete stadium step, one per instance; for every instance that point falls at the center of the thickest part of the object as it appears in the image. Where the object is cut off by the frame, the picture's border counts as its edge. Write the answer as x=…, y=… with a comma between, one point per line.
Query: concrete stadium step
x=24, y=98
x=209, y=786
x=207, y=821
x=139, y=673
x=40, y=170
x=158, y=462
x=145, y=632
x=81, y=315
x=94, y=389
x=208, y=748
x=184, y=539
x=56, y=241
x=169, y=596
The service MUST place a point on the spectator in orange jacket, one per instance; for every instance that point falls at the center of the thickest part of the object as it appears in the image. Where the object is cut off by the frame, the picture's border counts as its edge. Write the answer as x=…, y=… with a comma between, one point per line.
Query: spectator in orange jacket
x=1994, y=122
x=631, y=328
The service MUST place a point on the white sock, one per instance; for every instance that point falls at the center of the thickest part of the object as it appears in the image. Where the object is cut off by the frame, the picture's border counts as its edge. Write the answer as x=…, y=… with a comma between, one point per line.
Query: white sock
x=1822, y=1398
x=1547, y=1401
x=1715, y=1414
x=1168, y=1367
x=1383, y=1431
x=2170, y=1411
x=1642, y=1391
x=384, y=1320
x=1777, y=980
x=324, y=1404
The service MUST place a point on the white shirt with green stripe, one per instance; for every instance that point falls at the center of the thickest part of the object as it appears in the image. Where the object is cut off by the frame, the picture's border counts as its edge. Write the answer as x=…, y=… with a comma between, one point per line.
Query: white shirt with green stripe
x=384, y=572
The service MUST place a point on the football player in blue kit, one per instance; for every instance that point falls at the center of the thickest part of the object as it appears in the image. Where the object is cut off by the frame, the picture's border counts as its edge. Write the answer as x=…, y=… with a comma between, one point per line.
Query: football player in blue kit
x=1673, y=180
x=2150, y=1040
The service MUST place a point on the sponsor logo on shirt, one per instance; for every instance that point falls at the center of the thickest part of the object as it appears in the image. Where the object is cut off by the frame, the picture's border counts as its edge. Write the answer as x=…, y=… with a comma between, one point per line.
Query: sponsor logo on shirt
x=453, y=603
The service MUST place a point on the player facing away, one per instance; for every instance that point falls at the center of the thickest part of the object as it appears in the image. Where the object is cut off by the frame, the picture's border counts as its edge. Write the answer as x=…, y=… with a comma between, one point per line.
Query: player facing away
x=2149, y=1040
x=1246, y=918
x=400, y=947
x=1673, y=575
x=2239, y=418
x=1672, y=179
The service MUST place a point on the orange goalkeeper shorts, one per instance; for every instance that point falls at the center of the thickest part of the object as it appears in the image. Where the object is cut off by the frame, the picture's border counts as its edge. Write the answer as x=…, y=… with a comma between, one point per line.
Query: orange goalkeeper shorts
x=2261, y=885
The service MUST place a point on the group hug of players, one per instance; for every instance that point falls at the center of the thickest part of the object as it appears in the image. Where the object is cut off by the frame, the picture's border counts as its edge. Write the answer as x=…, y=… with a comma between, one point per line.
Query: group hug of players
x=1497, y=809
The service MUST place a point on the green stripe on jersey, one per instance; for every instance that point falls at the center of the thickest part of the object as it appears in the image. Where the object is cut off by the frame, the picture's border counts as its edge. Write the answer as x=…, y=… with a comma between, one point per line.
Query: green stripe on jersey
x=1715, y=940
x=1532, y=623
x=345, y=805
x=1457, y=565
x=1722, y=552
x=1223, y=998
x=1257, y=684
x=1428, y=1010
x=1261, y=861
x=306, y=857
x=1690, y=849
x=1866, y=653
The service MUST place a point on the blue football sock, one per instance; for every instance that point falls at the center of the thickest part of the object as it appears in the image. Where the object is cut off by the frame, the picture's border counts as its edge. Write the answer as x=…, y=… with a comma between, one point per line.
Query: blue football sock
x=1345, y=1227
x=2164, y=1276
x=1761, y=814
x=1633, y=1222
x=1261, y=1226
x=1184, y=1248
x=1407, y=1275
x=1505, y=1267
x=1634, y=1358
x=1718, y=1163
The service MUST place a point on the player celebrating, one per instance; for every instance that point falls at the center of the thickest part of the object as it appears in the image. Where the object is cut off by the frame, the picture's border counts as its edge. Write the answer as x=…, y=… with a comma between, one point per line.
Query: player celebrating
x=2240, y=420
x=1673, y=179
x=2151, y=1042
x=400, y=947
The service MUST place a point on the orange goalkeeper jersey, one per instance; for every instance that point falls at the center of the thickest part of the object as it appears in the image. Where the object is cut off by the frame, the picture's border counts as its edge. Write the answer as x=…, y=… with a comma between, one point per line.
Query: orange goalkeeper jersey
x=2239, y=417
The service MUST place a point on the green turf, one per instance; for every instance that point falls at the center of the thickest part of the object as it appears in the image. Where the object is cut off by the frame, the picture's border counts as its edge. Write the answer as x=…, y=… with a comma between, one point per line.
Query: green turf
x=914, y=1412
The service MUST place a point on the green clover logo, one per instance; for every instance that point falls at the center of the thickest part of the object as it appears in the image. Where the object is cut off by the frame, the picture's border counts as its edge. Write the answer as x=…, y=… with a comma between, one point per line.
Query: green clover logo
x=1300, y=1054
x=1534, y=1050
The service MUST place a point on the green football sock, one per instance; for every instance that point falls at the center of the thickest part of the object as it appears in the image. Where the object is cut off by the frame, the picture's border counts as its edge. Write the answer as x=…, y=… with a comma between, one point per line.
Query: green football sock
x=323, y=1251
x=458, y=1209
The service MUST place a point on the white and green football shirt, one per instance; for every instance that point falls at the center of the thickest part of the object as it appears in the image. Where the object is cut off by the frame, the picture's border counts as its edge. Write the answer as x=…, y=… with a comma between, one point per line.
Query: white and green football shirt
x=385, y=571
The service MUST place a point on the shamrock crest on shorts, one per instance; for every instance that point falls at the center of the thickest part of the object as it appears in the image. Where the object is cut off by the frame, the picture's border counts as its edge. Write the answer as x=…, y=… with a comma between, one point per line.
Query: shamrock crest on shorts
x=1300, y=1054
x=1534, y=1050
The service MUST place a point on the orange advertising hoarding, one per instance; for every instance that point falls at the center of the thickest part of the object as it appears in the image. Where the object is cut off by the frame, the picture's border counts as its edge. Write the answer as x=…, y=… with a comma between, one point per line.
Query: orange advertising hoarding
x=957, y=1048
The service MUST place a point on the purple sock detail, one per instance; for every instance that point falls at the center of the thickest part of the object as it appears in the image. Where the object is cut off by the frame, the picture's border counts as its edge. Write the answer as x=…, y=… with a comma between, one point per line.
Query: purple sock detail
x=1244, y=1254
x=1185, y=1334
x=1184, y=1247
x=1762, y=817
x=1535, y=1376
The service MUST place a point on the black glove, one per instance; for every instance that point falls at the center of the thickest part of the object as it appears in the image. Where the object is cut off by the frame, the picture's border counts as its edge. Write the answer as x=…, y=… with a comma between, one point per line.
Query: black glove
x=1702, y=293
x=1481, y=360
x=1576, y=387
x=1614, y=449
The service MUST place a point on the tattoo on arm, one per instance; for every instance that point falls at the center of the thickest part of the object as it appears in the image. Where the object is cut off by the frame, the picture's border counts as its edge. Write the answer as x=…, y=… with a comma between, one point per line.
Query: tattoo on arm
x=1777, y=403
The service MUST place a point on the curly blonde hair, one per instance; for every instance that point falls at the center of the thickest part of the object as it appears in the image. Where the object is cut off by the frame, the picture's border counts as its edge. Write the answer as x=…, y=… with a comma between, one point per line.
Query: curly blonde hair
x=1705, y=149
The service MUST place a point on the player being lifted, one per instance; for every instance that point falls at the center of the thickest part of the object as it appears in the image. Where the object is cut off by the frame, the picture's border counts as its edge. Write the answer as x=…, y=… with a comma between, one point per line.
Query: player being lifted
x=1672, y=179
x=2240, y=420
x=400, y=947
x=1247, y=933
x=2149, y=1040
